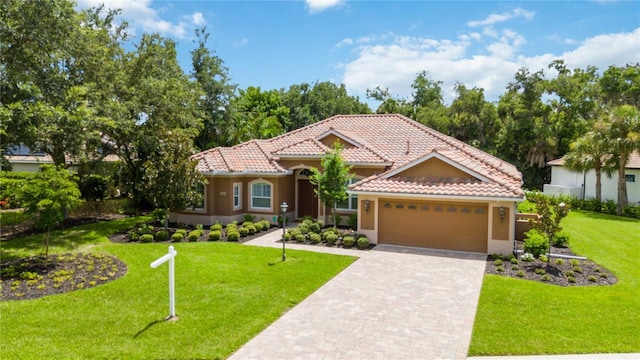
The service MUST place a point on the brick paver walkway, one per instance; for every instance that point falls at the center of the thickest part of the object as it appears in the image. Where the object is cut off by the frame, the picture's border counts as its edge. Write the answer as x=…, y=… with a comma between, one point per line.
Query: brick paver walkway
x=392, y=303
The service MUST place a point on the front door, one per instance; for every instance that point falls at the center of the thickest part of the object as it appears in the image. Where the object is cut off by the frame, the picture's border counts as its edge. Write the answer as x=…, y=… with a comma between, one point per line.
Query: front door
x=307, y=199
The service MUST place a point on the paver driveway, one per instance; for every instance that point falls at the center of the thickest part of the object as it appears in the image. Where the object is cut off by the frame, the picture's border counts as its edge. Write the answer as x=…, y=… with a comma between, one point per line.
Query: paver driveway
x=392, y=303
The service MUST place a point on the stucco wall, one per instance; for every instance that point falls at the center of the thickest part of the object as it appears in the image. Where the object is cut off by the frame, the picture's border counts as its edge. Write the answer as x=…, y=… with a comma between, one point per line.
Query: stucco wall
x=573, y=182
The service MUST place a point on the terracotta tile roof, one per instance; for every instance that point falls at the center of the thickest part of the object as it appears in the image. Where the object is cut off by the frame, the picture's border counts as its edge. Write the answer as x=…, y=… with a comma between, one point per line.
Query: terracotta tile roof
x=306, y=147
x=633, y=162
x=390, y=140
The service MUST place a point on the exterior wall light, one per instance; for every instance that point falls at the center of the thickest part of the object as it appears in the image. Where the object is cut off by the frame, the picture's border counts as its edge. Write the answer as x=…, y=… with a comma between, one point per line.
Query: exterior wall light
x=367, y=205
x=501, y=212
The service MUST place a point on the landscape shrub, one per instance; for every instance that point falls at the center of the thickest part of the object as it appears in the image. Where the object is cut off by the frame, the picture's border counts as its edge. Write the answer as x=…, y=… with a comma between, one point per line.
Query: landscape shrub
x=146, y=238
x=162, y=235
x=326, y=233
x=177, y=237
x=609, y=207
x=592, y=278
x=257, y=226
x=520, y=273
x=287, y=236
x=500, y=269
x=249, y=218
x=363, y=242
x=183, y=232
x=193, y=235
x=536, y=243
x=527, y=257
x=331, y=238
x=352, y=221
x=338, y=220
x=320, y=222
x=304, y=228
x=315, y=227
x=251, y=229
x=497, y=262
x=216, y=227
x=133, y=236
x=215, y=235
x=301, y=238
x=348, y=241
x=145, y=229
x=307, y=220
x=247, y=223
x=266, y=225
x=294, y=232
x=233, y=235
x=514, y=260
x=561, y=240
x=200, y=227
x=315, y=238
x=243, y=231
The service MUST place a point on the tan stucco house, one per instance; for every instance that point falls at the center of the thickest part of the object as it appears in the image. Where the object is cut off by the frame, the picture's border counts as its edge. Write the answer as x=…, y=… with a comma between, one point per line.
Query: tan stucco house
x=412, y=185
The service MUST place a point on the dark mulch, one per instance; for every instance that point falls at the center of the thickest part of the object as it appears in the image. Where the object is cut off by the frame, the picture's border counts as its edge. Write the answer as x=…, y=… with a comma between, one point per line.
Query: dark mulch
x=563, y=272
x=35, y=277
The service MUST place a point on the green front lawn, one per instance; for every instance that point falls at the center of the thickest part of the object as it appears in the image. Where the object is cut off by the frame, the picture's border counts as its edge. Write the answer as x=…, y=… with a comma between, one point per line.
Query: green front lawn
x=522, y=317
x=226, y=293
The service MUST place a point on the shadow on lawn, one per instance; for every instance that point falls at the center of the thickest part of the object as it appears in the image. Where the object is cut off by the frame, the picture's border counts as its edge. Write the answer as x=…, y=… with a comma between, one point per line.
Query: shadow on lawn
x=149, y=326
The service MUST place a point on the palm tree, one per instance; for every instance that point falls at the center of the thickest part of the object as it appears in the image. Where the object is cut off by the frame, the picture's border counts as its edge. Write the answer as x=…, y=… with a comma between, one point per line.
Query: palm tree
x=590, y=152
x=621, y=133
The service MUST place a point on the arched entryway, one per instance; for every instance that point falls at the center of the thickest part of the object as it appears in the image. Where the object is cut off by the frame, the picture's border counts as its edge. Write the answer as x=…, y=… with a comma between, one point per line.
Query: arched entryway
x=307, y=199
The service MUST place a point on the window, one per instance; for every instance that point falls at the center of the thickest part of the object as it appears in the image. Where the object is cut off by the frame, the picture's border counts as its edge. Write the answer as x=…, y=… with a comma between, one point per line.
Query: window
x=631, y=178
x=199, y=188
x=237, y=196
x=261, y=195
x=352, y=202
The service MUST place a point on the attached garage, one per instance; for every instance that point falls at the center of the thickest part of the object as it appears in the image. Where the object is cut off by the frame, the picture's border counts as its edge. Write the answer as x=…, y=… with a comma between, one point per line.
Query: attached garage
x=440, y=225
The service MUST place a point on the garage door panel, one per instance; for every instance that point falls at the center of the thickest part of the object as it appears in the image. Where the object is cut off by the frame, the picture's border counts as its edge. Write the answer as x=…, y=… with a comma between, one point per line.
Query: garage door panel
x=452, y=226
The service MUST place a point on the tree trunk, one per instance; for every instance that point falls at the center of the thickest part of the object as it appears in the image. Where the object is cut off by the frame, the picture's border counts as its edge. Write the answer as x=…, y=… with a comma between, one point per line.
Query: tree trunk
x=46, y=244
x=598, y=184
x=622, y=182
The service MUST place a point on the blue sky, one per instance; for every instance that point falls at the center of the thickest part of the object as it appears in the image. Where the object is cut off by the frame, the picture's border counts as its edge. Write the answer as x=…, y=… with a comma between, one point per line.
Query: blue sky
x=364, y=44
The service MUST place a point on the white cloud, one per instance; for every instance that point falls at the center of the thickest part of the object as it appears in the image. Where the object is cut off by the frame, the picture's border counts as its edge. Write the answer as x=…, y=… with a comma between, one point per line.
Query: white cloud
x=198, y=19
x=241, y=42
x=316, y=6
x=395, y=64
x=141, y=15
x=498, y=18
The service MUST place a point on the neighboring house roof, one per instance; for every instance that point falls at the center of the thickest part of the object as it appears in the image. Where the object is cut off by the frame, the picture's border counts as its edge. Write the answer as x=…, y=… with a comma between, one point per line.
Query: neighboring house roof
x=633, y=162
x=390, y=141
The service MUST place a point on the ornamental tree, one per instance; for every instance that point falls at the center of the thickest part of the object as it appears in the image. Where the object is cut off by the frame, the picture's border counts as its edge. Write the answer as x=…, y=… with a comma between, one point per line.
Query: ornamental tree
x=332, y=183
x=48, y=196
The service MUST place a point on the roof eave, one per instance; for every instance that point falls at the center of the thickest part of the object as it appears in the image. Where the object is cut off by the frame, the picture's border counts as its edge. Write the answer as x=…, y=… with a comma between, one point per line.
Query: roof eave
x=437, y=196
x=245, y=173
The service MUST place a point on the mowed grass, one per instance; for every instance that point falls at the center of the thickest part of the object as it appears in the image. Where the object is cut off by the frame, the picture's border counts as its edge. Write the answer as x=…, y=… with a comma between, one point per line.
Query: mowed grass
x=226, y=293
x=522, y=317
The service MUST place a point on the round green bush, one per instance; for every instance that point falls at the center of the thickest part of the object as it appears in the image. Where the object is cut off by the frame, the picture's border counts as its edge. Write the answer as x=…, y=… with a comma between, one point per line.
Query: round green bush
x=233, y=235
x=243, y=231
x=258, y=226
x=301, y=238
x=181, y=231
x=193, y=235
x=133, y=236
x=304, y=228
x=307, y=222
x=287, y=236
x=177, y=237
x=363, y=242
x=232, y=225
x=331, y=238
x=294, y=232
x=326, y=233
x=162, y=235
x=146, y=238
x=251, y=229
x=315, y=238
x=348, y=241
x=266, y=225
x=315, y=227
x=216, y=227
x=244, y=224
x=215, y=235
x=536, y=243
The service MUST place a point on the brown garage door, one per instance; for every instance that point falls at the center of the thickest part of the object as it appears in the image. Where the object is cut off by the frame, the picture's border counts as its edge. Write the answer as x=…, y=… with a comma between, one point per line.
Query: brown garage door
x=452, y=226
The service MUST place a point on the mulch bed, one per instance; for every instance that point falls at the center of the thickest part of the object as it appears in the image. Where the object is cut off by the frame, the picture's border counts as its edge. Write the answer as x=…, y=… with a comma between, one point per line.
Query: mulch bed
x=566, y=272
x=35, y=277
x=123, y=237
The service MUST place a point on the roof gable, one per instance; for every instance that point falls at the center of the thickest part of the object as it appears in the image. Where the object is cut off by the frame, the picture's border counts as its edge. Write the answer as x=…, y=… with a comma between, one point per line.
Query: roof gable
x=435, y=165
x=332, y=135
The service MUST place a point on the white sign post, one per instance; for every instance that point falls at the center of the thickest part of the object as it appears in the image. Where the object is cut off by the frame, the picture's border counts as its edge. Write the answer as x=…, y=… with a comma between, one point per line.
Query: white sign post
x=172, y=296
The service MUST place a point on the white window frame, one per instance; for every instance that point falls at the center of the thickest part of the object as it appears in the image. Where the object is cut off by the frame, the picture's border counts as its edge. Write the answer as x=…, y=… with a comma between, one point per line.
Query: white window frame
x=251, y=196
x=350, y=198
x=237, y=185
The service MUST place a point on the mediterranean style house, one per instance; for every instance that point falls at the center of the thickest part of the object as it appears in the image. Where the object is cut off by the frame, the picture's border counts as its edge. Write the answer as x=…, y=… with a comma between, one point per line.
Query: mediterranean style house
x=412, y=185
